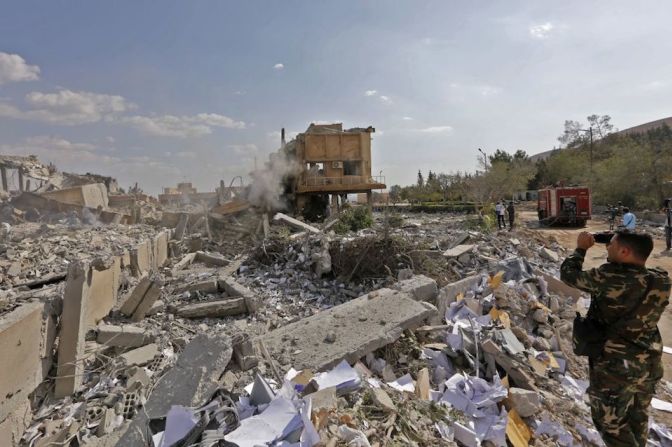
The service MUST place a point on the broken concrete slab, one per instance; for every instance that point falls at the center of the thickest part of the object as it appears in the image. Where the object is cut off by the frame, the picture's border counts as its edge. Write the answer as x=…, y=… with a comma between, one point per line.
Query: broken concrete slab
x=525, y=402
x=205, y=287
x=549, y=255
x=15, y=423
x=93, y=195
x=232, y=267
x=214, y=309
x=141, y=258
x=245, y=355
x=124, y=336
x=521, y=378
x=235, y=289
x=324, y=399
x=383, y=400
x=420, y=287
x=560, y=288
x=181, y=227
x=104, y=290
x=73, y=329
x=26, y=341
x=360, y=326
x=458, y=251
x=160, y=249
x=153, y=293
x=211, y=259
x=131, y=301
x=296, y=223
x=140, y=356
x=185, y=261
x=192, y=381
x=448, y=293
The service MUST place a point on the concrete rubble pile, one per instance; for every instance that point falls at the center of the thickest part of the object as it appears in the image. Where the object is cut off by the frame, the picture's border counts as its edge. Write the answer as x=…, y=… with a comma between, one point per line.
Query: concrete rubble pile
x=136, y=335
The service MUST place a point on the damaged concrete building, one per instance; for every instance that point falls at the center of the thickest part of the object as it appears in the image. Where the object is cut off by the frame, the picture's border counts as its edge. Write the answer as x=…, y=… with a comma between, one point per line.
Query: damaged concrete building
x=325, y=164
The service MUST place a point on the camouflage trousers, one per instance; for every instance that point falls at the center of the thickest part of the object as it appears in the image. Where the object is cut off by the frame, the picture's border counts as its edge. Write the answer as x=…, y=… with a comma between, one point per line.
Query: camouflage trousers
x=620, y=393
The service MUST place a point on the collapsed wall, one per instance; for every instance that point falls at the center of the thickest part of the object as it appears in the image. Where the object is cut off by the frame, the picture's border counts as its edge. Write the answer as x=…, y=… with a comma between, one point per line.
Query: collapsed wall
x=28, y=332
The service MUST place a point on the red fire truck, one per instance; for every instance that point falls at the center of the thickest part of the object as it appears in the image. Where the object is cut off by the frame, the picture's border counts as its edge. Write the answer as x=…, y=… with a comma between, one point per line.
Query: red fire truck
x=564, y=206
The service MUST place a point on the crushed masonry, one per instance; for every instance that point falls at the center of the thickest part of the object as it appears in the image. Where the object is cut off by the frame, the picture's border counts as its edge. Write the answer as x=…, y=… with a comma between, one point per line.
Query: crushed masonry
x=120, y=315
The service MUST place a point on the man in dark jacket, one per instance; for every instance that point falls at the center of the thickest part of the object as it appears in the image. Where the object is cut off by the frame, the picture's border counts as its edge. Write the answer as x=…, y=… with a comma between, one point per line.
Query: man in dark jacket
x=511, y=211
x=627, y=300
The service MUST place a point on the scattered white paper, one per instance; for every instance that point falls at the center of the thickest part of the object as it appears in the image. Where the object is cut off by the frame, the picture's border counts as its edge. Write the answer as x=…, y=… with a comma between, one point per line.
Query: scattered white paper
x=279, y=420
x=661, y=405
x=310, y=436
x=590, y=435
x=260, y=392
x=662, y=432
x=343, y=377
x=667, y=350
x=474, y=396
x=375, y=383
x=179, y=422
x=403, y=383
x=575, y=387
x=447, y=432
x=556, y=431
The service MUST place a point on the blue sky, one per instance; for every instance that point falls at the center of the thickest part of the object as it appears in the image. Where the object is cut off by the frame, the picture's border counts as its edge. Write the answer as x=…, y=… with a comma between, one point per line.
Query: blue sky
x=161, y=92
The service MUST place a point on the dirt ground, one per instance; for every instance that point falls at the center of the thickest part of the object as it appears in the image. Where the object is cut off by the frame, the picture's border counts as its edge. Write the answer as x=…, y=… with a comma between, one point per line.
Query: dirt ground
x=598, y=255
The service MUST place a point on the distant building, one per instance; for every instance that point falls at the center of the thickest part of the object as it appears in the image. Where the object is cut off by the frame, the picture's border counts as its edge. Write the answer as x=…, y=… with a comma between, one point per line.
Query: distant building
x=185, y=193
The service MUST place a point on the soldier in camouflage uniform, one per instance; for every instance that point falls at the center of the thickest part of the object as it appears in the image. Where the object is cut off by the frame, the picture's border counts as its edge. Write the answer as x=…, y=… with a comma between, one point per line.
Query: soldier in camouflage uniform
x=628, y=298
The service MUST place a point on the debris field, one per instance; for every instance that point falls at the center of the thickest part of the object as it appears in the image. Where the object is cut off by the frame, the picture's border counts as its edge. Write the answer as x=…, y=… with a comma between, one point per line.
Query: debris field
x=125, y=322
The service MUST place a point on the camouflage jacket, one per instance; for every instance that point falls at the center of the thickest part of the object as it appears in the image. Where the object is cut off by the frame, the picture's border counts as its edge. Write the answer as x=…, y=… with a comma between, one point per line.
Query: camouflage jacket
x=616, y=293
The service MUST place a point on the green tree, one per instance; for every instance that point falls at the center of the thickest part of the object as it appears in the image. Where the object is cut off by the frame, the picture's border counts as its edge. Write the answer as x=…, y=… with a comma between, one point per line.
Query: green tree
x=395, y=193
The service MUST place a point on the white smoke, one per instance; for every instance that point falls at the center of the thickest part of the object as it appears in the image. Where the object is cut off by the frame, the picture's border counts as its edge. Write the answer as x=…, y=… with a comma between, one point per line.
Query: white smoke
x=268, y=184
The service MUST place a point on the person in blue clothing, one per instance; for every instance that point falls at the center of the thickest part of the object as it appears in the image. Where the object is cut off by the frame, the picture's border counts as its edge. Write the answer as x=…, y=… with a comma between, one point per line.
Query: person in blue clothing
x=629, y=219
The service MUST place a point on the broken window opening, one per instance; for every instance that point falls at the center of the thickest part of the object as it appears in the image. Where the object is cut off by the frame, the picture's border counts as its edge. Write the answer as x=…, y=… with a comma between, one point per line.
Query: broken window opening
x=352, y=168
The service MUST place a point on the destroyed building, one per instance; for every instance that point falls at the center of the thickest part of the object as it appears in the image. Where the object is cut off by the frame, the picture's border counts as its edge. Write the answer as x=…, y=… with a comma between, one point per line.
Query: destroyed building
x=324, y=164
x=215, y=326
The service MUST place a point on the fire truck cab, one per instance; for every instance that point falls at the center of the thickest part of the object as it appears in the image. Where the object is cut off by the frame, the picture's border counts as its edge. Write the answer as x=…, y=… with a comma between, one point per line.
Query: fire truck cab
x=564, y=206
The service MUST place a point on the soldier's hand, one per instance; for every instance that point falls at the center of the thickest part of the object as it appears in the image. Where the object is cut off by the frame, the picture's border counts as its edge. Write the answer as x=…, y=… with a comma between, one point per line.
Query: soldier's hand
x=585, y=240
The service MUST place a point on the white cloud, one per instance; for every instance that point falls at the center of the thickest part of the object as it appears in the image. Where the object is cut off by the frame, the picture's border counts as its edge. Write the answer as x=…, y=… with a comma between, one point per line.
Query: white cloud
x=436, y=129
x=59, y=143
x=13, y=68
x=67, y=107
x=541, y=31
x=181, y=126
x=488, y=90
x=655, y=85
x=374, y=93
x=407, y=118
x=186, y=154
x=216, y=120
x=244, y=149
x=278, y=67
x=58, y=150
x=471, y=90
